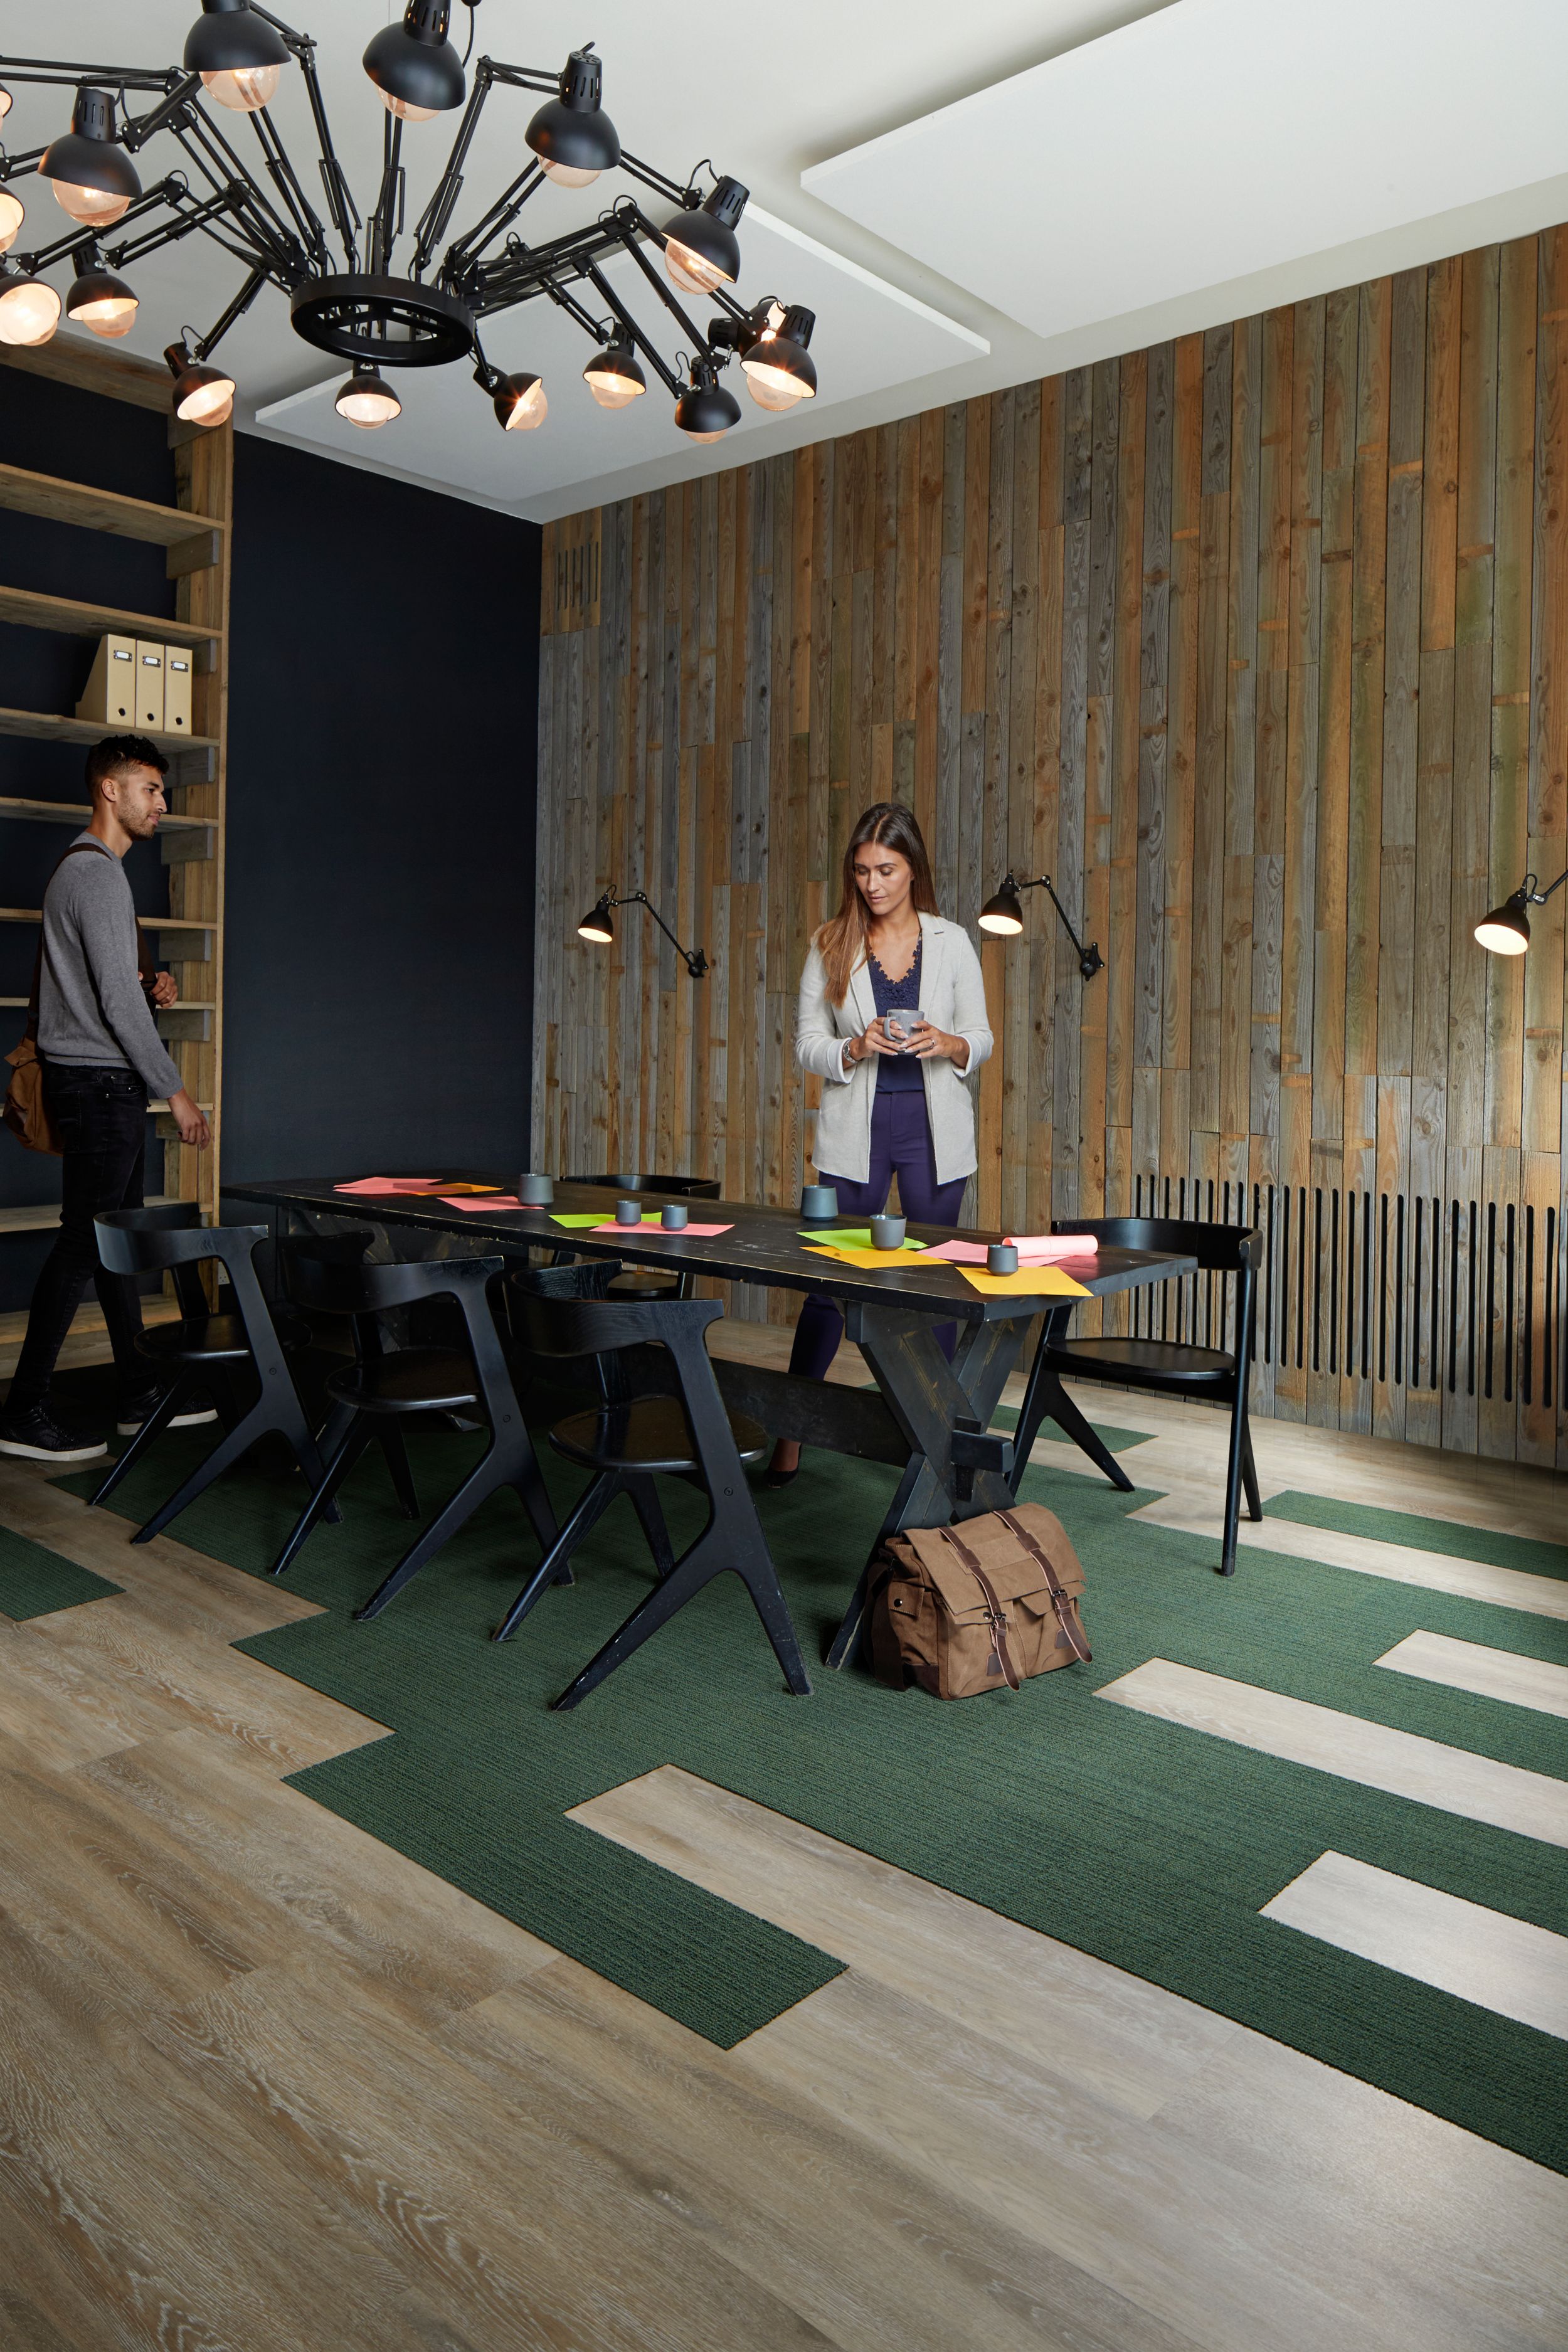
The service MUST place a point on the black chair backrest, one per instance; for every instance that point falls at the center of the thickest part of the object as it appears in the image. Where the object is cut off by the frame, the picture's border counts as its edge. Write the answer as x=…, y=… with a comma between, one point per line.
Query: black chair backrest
x=171, y=1217
x=684, y=1188
x=311, y=1261
x=126, y=1248
x=336, y=1287
x=587, y=1278
x=1199, y=1317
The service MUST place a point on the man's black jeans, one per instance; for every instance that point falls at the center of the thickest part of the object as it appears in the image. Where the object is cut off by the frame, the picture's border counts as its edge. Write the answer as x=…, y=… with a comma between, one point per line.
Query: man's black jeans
x=100, y=1112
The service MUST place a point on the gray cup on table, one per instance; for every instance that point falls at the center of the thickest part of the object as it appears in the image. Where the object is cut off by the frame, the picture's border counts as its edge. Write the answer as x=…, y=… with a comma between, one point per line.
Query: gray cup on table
x=535, y=1192
x=888, y=1233
x=1001, y=1257
x=818, y=1203
x=673, y=1215
x=628, y=1212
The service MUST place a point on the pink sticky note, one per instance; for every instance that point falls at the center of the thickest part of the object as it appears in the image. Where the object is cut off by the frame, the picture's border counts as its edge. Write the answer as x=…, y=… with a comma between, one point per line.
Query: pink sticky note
x=703, y=1233
x=471, y=1207
x=960, y=1253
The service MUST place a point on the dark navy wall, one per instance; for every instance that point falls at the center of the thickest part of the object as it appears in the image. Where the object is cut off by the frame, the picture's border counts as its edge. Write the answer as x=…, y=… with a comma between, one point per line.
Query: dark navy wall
x=384, y=677
x=379, y=959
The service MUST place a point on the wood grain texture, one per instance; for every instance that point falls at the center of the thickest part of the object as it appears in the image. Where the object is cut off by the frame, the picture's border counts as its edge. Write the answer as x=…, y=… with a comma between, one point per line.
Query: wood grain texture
x=1257, y=643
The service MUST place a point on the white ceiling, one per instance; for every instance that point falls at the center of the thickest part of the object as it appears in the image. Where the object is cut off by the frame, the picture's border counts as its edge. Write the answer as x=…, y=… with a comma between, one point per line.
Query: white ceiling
x=967, y=197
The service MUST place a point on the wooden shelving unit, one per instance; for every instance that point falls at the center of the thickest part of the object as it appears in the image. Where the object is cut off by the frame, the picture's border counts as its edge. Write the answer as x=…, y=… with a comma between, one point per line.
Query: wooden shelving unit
x=195, y=534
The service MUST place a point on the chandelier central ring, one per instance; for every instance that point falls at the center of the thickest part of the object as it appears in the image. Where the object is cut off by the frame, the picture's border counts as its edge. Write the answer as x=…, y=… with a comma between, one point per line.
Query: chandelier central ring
x=396, y=321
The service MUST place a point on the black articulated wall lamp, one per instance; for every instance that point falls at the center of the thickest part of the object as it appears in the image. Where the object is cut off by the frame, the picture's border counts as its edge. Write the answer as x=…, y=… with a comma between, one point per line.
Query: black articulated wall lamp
x=598, y=924
x=1506, y=930
x=1003, y=916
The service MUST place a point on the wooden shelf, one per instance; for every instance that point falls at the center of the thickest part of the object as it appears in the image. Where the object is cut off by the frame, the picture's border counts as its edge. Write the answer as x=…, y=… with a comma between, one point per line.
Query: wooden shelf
x=46, y=727
x=43, y=1216
x=194, y=541
x=144, y=922
x=29, y=609
x=62, y=813
x=87, y=1342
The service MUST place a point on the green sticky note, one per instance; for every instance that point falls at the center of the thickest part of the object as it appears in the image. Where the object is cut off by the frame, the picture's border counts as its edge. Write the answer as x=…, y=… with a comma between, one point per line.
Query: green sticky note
x=579, y=1219
x=847, y=1236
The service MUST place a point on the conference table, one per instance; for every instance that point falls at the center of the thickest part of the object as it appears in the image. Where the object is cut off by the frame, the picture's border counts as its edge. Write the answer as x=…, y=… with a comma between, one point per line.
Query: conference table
x=928, y=1416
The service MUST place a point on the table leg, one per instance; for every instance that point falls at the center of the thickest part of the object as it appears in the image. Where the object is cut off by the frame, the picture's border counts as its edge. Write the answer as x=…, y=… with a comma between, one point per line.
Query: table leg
x=930, y=1400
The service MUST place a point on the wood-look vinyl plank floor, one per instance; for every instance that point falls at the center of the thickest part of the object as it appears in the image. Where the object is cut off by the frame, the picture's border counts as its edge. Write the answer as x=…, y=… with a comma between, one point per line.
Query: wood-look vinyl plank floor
x=266, y=2085
x=1473, y=1667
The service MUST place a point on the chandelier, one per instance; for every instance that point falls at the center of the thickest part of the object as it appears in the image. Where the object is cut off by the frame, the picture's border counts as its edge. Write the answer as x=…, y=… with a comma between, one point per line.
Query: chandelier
x=349, y=291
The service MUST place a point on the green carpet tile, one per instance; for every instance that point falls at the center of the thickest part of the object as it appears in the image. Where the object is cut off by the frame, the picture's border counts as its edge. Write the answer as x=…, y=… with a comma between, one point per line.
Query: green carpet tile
x=1448, y=1535
x=33, y=1581
x=1115, y=1441
x=1148, y=1844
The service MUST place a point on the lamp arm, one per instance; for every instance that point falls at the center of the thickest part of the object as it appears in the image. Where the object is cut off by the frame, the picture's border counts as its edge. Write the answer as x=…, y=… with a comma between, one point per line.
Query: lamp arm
x=1539, y=898
x=1089, y=959
x=695, y=961
x=601, y=286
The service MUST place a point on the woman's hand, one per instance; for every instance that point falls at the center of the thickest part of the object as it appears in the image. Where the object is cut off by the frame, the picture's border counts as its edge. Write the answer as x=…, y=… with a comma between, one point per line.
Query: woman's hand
x=933, y=1044
x=874, y=1041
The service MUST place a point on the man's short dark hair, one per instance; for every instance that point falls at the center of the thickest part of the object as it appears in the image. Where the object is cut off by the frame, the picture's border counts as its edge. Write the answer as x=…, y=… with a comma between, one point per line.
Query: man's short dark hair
x=118, y=752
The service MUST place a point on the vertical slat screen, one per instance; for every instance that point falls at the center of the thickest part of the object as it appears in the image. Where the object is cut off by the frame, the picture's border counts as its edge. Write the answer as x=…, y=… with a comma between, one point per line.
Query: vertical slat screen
x=1257, y=640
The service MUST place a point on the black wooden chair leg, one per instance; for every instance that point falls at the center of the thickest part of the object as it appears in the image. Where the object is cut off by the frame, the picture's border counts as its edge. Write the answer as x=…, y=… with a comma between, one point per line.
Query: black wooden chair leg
x=152, y=1428
x=761, y=1581
x=1055, y=1404
x=220, y=1388
x=646, y=1502
x=671, y=1595
x=1233, y=1478
x=519, y=1469
x=1250, y=1472
x=554, y=1568
x=315, y=1510
x=229, y=1449
x=480, y=1484
x=402, y=1476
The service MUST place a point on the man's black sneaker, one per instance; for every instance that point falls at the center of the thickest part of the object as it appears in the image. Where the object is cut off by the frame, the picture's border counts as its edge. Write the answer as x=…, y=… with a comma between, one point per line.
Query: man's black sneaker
x=142, y=1409
x=37, y=1436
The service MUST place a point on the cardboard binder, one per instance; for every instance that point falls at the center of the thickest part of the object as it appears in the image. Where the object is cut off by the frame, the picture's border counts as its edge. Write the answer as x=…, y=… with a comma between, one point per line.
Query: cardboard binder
x=109, y=698
x=149, y=686
x=177, y=662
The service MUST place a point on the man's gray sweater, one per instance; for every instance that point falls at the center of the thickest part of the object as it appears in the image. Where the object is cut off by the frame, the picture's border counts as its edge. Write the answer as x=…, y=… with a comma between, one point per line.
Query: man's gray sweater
x=91, y=1006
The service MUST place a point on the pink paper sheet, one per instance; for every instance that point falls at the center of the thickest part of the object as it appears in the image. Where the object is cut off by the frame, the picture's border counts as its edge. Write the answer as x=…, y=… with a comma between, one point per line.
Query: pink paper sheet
x=704, y=1233
x=390, y=1184
x=470, y=1205
x=1048, y=1249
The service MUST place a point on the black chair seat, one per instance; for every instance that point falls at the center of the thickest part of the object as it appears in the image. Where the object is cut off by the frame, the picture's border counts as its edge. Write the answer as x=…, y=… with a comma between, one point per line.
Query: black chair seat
x=1151, y=1360
x=214, y=1338
x=646, y=1433
x=643, y=1282
x=410, y=1380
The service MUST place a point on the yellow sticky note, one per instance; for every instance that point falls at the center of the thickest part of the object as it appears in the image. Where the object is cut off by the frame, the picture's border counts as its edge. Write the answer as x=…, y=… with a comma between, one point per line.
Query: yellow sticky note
x=1029, y=1282
x=878, y=1259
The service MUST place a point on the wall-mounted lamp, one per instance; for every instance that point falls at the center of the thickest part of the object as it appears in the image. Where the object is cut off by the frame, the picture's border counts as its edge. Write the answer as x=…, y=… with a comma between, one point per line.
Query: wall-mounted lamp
x=1506, y=930
x=596, y=925
x=1004, y=915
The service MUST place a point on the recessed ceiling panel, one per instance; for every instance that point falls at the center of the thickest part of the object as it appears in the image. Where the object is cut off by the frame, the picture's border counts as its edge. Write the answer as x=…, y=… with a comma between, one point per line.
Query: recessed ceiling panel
x=1214, y=140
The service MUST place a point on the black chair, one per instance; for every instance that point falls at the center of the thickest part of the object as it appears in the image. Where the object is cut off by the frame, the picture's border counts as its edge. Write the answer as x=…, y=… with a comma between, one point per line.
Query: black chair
x=417, y=1380
x=1161, y=1367
x=646, y=1282
x=202, y=1349
x=304, y=1256
x=628, y=1440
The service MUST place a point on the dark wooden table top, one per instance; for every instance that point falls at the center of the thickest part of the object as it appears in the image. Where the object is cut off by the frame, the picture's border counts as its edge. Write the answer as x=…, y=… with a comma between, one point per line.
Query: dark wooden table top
x=763, y=1245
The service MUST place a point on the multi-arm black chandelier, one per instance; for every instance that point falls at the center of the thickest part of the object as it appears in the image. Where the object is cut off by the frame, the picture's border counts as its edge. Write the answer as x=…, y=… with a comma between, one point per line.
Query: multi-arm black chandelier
x=345, y=294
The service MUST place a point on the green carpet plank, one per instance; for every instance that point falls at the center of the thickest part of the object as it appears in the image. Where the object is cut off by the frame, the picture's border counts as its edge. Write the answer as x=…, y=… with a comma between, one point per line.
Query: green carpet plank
x=1450, y=1536
x=1140, y=1840
x=34, y=1582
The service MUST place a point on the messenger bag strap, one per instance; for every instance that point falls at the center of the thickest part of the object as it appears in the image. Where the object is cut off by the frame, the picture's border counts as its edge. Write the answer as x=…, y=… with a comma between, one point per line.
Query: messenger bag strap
x=1060, y=1602
x=995, y=1613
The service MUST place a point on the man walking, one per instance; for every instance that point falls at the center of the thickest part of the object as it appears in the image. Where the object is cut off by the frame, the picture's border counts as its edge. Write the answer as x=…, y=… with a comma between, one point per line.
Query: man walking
x=102, y=1058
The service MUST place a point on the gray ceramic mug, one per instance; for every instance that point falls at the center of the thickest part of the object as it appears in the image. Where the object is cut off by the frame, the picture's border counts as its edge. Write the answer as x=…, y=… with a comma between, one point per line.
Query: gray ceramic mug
x=1001, y=1257
x=535, y=1192
x=819, y=1202
x=628, y=1212
x=888, y=1233
x=673, y=1215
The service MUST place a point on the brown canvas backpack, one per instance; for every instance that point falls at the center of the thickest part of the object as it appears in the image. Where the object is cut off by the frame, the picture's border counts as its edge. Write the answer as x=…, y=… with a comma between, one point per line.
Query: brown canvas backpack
x=968, y=1609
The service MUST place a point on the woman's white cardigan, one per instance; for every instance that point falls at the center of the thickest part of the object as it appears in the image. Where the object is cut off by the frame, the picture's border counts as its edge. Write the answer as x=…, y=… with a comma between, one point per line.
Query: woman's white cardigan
x=952, y=996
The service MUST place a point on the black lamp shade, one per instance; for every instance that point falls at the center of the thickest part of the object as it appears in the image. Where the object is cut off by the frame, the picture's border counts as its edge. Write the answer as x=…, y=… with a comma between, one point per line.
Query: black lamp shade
x=87, y=157
x=1506, y=930
x=29, y=308
x=415, y=66
x=779, y=369
x=101, y=302
x=519, y=402
x=367, y=399
x=701, y=249
x=571, y=133
x=596, y=925
x=203, y=395
x=228, y=38
x=705, y=409
x=1004, y=913
x=613, y=375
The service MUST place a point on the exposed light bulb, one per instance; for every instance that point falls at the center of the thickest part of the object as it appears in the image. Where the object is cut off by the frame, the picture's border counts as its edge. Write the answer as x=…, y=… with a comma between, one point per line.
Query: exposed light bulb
x=94, y=207
x=405, y=112
x=113, y=316
x=614, y=376
x=207, y=403
x=12, y=215
x=773, y=388
x=708, y=437
x=4, y=102
x=246, y=88
x=525, y=405
x=567, y=175
x=29, y=311
x=693, y=272
x=367, y=401
x=612, y=391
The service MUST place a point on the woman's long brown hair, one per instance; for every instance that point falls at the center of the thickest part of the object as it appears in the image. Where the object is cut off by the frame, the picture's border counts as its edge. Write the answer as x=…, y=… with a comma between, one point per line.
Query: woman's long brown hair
x=841, y=942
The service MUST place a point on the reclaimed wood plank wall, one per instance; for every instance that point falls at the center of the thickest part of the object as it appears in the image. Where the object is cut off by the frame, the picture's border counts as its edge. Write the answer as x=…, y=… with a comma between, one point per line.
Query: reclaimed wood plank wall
x=1257, y=642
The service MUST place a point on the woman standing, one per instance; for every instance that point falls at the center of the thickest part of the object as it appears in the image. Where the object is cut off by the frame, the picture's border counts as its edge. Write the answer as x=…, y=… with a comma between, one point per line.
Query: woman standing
x=888, y=1109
